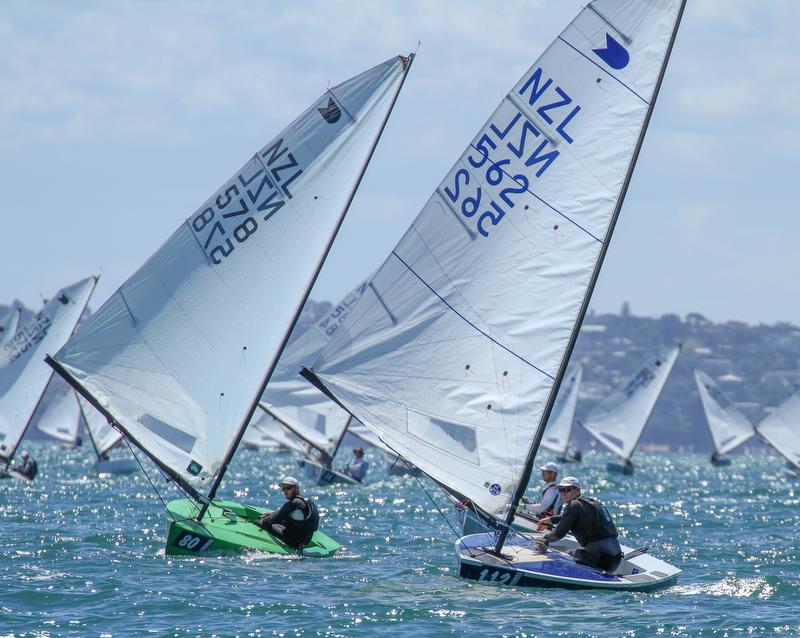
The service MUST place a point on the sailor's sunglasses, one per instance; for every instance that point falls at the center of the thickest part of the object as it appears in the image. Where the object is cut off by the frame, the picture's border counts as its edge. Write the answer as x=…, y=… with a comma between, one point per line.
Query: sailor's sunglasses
x=564, y=490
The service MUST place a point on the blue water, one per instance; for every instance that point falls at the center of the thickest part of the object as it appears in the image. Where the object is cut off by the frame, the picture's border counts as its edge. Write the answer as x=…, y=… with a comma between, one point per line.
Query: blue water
x=83, y=556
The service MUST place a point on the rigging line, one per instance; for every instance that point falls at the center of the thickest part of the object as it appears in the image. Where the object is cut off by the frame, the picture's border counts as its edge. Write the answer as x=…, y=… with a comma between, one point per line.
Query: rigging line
x=139, y=463
x=436, y=505
x=467, y=321
x=611, y=75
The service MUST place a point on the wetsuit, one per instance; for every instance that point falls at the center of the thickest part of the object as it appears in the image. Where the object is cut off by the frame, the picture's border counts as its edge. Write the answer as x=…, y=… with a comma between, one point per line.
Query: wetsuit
x=589, y=521
x=294, y=523
x=28, y=468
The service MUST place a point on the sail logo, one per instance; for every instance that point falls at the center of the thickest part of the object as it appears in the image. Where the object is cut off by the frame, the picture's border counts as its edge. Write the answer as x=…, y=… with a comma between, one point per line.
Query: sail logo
x=614, y=55
x=28, y=336
x=495, y=489
x=331, y=113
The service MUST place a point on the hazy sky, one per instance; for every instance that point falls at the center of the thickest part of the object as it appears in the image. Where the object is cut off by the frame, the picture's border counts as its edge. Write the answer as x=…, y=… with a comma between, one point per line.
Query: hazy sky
x=118, y=119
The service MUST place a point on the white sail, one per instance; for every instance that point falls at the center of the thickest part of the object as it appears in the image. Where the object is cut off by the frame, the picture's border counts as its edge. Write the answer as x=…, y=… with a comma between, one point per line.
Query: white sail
x=618, y=420
x=729, y=428
x=559, y=425
x=781, y=429
x=23, y=374
x=452, y=352
x=8, y=325
x=61, y=419
x=264, y=431
x=366, y=435
x=182, y=349
x=103, y=436
x=321, y=426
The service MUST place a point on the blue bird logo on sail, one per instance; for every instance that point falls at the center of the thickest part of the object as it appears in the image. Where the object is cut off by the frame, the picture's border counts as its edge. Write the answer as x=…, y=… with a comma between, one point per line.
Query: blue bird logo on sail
x=331, y=113
x=614, y=55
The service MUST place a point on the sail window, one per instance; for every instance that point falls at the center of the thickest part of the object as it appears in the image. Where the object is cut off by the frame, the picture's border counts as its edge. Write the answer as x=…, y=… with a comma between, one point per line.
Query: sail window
x=170, y=433
x=454, y=438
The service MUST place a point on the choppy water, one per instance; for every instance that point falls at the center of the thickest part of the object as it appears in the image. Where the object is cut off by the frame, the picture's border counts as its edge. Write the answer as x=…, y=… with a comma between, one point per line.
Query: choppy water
x=84, y=556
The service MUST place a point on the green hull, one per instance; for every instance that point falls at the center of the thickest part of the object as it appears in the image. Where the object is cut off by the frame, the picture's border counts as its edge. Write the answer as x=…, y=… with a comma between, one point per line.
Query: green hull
x=230, y=527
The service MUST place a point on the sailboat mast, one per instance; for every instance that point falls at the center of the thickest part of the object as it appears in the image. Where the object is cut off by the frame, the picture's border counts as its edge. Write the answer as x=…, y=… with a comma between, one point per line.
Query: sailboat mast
x=341, y=436
x=522, y=485
x=254, y=404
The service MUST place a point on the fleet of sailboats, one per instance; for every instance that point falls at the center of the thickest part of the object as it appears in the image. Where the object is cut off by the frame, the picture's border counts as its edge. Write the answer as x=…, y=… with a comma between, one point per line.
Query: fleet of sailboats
x=451, y=359
x=619, y=420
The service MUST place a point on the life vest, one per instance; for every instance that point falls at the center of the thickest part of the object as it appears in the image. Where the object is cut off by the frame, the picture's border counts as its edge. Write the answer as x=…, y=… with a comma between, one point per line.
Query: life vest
x=604, y=525
x=304, y=529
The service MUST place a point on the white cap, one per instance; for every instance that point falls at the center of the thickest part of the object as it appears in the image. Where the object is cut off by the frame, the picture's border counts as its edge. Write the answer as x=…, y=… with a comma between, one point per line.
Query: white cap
x=550, y=467
x=569, y=481
x=289, y=480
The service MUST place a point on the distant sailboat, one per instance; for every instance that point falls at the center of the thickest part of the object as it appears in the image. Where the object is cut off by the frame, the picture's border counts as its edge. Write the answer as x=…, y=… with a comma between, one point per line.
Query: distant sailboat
x=729, y=428
x=23, y=377
x=8, y=325
x=179, y=356
x=619, y=420
x=264, y=432
x=104, y=438
x=781, y=429
x=455, y=353
x=61, y=420
x=558, y=432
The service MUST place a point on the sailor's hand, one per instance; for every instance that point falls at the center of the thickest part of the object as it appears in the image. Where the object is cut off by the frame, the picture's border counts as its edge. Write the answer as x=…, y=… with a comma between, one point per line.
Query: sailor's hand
x=547, y=521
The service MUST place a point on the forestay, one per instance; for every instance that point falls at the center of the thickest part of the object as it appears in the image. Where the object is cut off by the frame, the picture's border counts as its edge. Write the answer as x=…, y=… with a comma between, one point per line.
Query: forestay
x=559, y=425
x=781, y=429
x=181, y=351
x=23, y=375
x=9, y=324
x=452, y=352
x=61, y=419
x=103, y=436
x=619, y=420
x=728, y=426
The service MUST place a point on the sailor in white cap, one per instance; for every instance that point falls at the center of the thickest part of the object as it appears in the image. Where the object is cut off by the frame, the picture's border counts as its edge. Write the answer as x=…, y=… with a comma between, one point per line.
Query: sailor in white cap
x=297, y=519
x=549, y=499
x=590, y=523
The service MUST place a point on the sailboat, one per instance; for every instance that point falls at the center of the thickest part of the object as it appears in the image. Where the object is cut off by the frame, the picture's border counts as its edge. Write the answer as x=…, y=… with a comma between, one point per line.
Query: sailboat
x=61, y=420
x=781, y=429
x=729, y=428
x=558, y=432
x=618, y=421
x=104, y=439
x=179, y=356
x=397, y=465
x=455, y=353
x=264, y=432
x=8, y=325
x=23, y=377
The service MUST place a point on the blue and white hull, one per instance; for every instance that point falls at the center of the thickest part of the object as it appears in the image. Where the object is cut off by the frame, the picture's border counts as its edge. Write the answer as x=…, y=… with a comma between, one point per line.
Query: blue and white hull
x=523, y=565
x=326, y=476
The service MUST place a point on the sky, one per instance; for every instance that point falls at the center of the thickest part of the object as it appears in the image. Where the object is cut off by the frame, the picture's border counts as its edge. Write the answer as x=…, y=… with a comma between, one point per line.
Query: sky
x=118, y=119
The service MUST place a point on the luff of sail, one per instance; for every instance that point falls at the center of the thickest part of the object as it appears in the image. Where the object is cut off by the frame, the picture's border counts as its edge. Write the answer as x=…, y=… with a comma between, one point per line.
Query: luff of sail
x=619, y=420
x=23, y=376
x=180, y=352
x=452, y=354
x=729, y=428
x=9, y=324
x=559, y=427
x=781, y=429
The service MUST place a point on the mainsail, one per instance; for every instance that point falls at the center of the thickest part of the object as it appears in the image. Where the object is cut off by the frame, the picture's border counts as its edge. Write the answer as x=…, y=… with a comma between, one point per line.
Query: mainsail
x=181, y=351
x=8, y=325
x=263, y=430
x=729, y=428
x=61, y=419
x=455, y=351
x=781, y=429
x=619, y=420
x=23, y=376
x=559, y=426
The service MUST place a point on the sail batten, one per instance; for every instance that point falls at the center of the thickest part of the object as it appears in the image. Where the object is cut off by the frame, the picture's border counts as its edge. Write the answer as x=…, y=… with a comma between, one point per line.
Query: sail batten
x=178, y=357
x=457, y=364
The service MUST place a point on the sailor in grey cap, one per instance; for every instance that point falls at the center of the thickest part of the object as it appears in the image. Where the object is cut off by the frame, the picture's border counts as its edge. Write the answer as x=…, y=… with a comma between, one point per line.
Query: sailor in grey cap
x=549, y=500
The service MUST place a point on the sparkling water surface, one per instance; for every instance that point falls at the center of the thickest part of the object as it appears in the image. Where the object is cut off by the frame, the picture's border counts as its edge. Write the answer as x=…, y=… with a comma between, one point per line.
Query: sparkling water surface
x=83, y=556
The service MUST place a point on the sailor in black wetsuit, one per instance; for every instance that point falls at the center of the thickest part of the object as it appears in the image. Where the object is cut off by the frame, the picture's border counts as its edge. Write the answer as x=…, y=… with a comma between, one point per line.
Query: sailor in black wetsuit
x=28, y=467
x=591, y=524
x=297, y=519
